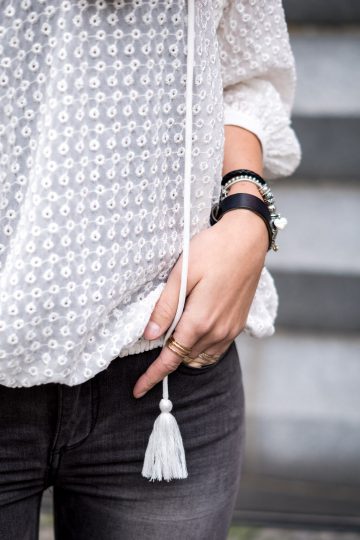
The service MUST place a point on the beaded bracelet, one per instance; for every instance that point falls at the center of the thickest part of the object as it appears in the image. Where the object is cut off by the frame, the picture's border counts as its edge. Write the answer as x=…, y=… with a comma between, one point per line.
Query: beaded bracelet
x=242, y=172
x=264, y=190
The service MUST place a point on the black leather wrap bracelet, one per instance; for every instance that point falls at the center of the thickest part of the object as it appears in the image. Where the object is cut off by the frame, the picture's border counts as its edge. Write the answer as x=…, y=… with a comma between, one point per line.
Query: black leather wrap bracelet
x=243, y=200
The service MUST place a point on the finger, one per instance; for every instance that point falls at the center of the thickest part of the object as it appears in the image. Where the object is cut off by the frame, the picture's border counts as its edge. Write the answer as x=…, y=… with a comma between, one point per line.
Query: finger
x=167, y=361
x=218, y=349
x=165, y=309
x=214, y=342
x=209, y=323
x=193, y=325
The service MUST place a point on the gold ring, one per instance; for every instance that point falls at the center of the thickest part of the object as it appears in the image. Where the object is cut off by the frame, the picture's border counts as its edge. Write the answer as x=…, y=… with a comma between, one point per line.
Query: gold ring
x=207, y=356
x=209, y=359
x=177, y=348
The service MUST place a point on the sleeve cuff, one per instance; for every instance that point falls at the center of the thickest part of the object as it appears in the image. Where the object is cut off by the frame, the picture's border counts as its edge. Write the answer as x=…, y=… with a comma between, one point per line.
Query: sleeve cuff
x=281, y=149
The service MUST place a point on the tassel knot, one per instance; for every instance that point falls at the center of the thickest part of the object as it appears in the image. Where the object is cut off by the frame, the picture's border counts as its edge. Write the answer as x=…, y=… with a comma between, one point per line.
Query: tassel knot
x=165, y=405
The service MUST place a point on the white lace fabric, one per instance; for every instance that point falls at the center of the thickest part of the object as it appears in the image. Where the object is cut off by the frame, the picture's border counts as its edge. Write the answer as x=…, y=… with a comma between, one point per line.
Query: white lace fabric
x=92, y=116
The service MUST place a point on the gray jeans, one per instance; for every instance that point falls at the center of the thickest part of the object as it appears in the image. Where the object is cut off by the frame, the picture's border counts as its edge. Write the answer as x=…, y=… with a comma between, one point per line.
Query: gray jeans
x=88, y=442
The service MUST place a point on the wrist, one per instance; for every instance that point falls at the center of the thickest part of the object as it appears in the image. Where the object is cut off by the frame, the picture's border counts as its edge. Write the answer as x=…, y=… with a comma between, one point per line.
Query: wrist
x=243, y=224
x=245, y=187
x=255, y=196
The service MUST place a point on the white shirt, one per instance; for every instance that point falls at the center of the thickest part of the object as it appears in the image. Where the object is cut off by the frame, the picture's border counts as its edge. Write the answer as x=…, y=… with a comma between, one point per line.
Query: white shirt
x=92, y=154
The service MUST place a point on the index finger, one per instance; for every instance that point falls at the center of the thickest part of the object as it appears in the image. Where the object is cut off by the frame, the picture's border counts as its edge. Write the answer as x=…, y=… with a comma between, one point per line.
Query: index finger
x=165, y=363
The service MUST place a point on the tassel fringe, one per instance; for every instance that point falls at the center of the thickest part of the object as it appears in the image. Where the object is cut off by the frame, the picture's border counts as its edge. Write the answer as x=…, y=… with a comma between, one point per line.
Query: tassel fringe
x=165, y=455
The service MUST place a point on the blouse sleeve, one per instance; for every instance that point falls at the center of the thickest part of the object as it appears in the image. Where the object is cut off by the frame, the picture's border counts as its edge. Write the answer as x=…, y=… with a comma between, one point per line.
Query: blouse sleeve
x=259, y=78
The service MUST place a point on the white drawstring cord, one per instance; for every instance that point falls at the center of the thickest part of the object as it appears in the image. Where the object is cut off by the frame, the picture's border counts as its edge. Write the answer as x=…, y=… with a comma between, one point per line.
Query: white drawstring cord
x=165, y=455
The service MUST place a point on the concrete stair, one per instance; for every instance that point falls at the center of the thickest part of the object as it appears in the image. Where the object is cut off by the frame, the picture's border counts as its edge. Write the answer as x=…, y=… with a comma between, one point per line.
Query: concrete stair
x=322, y=12
x=317, y=268
x=327, y=106
x=303, y=430
x=302, y=385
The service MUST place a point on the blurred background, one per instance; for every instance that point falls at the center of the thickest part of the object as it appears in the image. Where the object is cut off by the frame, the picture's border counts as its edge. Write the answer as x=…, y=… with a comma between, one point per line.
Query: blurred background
x=302, y=385
x=301, y=476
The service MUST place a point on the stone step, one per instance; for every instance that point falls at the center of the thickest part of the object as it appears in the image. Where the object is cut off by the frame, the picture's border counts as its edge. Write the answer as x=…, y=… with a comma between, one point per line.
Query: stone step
x=318, y=301
x=326, y=113
x=303, y=429
x=323, y=224
x=328, y=82
x=317, y=267
x=330, y=147
x=322, y=11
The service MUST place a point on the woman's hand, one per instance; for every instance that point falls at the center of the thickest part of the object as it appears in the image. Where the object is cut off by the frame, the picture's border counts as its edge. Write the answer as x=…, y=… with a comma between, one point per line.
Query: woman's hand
x=225, y=263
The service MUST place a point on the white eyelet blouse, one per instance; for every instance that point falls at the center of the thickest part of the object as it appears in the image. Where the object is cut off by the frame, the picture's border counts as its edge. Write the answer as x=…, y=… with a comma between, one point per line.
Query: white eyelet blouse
x=92, y=157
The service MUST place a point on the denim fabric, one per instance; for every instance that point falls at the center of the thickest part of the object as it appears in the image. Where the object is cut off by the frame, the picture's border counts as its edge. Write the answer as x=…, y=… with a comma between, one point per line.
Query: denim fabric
x=88, y=442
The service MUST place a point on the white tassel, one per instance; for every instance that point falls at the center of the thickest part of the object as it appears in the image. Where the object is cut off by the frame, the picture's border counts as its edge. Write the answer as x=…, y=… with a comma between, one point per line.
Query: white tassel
x=165, y=455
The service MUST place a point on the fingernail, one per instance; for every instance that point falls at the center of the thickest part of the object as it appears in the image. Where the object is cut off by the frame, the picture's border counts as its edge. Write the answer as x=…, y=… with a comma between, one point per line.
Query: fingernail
x=140, y=395
x=152, y=330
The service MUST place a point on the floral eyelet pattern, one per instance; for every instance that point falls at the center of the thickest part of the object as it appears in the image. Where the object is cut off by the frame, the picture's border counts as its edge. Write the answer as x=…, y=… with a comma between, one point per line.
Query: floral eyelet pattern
x=92, y=121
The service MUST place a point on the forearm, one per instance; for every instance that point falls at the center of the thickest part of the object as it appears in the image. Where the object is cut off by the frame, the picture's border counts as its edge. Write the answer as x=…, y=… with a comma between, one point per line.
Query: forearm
x=242, y=150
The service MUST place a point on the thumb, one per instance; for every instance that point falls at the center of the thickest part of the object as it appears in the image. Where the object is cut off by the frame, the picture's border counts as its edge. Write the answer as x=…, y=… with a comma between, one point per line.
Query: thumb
x=165, y=308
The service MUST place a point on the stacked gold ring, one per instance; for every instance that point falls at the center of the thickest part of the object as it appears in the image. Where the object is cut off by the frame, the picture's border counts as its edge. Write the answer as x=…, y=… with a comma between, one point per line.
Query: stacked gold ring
x=177, y=348
x=184, y=353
